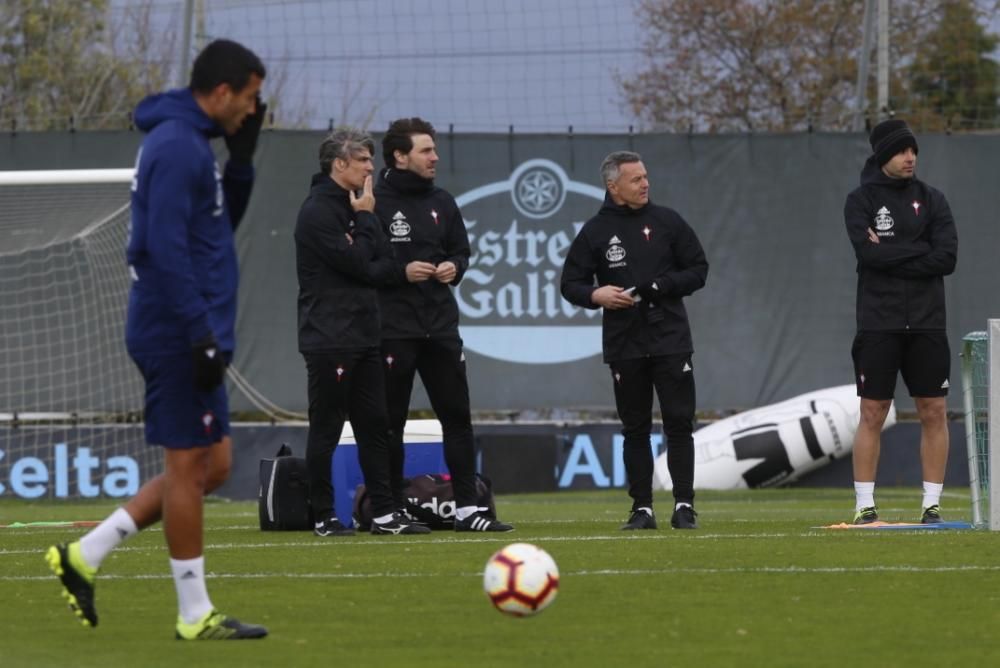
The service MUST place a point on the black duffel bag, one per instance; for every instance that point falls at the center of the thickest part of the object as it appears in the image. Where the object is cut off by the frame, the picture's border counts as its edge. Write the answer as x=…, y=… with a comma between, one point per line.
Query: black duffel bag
x=283, y=493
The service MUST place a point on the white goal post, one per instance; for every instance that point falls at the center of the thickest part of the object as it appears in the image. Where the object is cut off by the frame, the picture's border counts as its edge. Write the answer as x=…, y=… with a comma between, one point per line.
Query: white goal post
x=38, y=177
x=994, y=423
x=981, y=407
x=71, y=400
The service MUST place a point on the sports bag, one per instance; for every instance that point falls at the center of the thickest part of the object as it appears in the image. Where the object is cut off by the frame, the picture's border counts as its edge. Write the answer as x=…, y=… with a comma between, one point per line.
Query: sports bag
x=283, y=493
x=430, y=499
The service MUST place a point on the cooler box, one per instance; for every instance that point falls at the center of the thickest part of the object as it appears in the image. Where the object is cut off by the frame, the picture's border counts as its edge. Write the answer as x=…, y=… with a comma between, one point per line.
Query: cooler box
x=424, y=454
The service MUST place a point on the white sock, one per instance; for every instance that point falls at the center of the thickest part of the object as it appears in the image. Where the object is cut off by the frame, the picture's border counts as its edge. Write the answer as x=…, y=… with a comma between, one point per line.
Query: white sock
x=681, y=504
x=106, y=536
x=932, y=494
x=864, y=495
x=192, y=596
x=382, y=519
x=647, y=509
x=465, y=511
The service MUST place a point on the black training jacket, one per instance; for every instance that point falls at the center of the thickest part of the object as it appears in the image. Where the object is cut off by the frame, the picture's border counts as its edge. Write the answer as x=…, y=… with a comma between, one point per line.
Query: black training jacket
x=630, y=247
x=421, y=222
x=901, y=278
x=338, y=305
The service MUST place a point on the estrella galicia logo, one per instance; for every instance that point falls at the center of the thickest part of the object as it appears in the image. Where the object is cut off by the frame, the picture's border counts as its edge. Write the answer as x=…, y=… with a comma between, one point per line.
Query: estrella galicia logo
x=615, y=254
x=399, y=227
x=511, y=306
x=883, y=219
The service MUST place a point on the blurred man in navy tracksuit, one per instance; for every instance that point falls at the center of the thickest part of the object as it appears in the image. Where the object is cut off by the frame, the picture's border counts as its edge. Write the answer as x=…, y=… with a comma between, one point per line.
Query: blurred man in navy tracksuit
x=180, y=329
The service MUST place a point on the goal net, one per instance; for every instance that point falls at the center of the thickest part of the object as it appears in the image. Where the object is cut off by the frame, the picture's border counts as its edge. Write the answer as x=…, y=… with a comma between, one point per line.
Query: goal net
x=70, y=397
x=981, y=396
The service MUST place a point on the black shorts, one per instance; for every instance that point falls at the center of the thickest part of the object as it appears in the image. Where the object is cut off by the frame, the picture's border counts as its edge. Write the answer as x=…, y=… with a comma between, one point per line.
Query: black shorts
x=924, y=359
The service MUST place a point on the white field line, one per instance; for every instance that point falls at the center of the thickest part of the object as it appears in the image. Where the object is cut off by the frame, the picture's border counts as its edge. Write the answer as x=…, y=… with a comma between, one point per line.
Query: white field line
x=767, y=570
x=395, y=542
x=758, y=515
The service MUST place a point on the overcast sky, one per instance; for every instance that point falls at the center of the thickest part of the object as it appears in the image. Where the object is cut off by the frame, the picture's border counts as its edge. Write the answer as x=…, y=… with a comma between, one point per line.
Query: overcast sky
x=479, y=65
x=482, y=65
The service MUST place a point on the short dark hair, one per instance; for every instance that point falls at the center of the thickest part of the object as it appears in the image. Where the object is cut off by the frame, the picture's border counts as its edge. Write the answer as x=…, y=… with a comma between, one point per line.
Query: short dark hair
x=225, y=62
x=344, y=142
x=399, y=137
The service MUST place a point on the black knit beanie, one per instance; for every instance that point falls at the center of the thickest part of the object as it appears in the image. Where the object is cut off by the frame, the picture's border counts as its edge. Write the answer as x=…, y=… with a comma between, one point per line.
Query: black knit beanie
x=889, y=138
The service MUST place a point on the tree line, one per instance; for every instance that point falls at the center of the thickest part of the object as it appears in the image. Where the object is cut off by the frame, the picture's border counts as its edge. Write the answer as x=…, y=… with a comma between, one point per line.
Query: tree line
x=791, y=65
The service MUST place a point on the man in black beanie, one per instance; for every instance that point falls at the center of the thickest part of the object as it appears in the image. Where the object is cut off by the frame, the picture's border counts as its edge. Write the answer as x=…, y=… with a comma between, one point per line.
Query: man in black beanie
x=904, y=239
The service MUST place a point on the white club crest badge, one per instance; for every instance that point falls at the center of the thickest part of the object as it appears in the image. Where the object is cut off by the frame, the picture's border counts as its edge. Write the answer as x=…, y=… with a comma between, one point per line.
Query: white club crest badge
x=883, y=220
x=206, y=420
x=916, y=207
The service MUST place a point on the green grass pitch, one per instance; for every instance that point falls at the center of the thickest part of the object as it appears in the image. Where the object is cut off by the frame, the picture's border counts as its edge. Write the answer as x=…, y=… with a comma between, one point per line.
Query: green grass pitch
x=755, y=586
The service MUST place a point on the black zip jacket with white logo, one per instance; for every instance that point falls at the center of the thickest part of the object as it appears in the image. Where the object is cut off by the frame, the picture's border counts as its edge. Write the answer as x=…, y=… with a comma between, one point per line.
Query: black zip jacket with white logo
x=900, y=278
x=632, y=247
x=422, y=222
x=338, y=305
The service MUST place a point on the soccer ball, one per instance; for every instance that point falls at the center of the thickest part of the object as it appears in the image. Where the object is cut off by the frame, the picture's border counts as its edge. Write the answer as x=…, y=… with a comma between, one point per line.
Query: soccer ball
x=521, y=579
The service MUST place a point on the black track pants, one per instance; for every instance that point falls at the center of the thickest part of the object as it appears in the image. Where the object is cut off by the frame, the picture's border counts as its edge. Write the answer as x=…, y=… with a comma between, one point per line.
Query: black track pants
x=672, y=376
x=441, y=365
x=347, y=385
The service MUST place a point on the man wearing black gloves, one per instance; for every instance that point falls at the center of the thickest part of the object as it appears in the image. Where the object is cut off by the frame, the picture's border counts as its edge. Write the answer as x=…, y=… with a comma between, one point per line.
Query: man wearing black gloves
x=420, y=316
x=181, y=323
x=341, y=255
x=905, y=242
x=645, y=259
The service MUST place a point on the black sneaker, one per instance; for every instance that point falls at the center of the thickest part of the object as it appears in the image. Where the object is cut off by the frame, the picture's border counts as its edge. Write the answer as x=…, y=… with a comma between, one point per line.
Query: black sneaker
x=408, y=516
x=480, y=522
x=217, y=626
x=684, y=517
x=640, y=519
x=866, y=515
x=77, y=580
x=399, y=524
x=932, y=515
x=331, y=526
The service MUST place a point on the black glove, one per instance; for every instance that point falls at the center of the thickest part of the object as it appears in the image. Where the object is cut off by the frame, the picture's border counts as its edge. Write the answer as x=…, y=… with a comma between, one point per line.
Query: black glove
x=649, y=291
x=209, y=364
x=243, y=142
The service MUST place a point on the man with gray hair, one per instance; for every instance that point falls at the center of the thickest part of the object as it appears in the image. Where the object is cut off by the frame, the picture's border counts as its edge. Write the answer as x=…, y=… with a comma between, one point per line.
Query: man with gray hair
x=637, y=261
x=341, y=255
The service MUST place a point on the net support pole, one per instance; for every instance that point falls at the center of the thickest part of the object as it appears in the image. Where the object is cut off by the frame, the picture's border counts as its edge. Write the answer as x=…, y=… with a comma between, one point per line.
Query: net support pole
x=883, y=60
x=185, y=59
x=994, y=427
x=969, y=407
